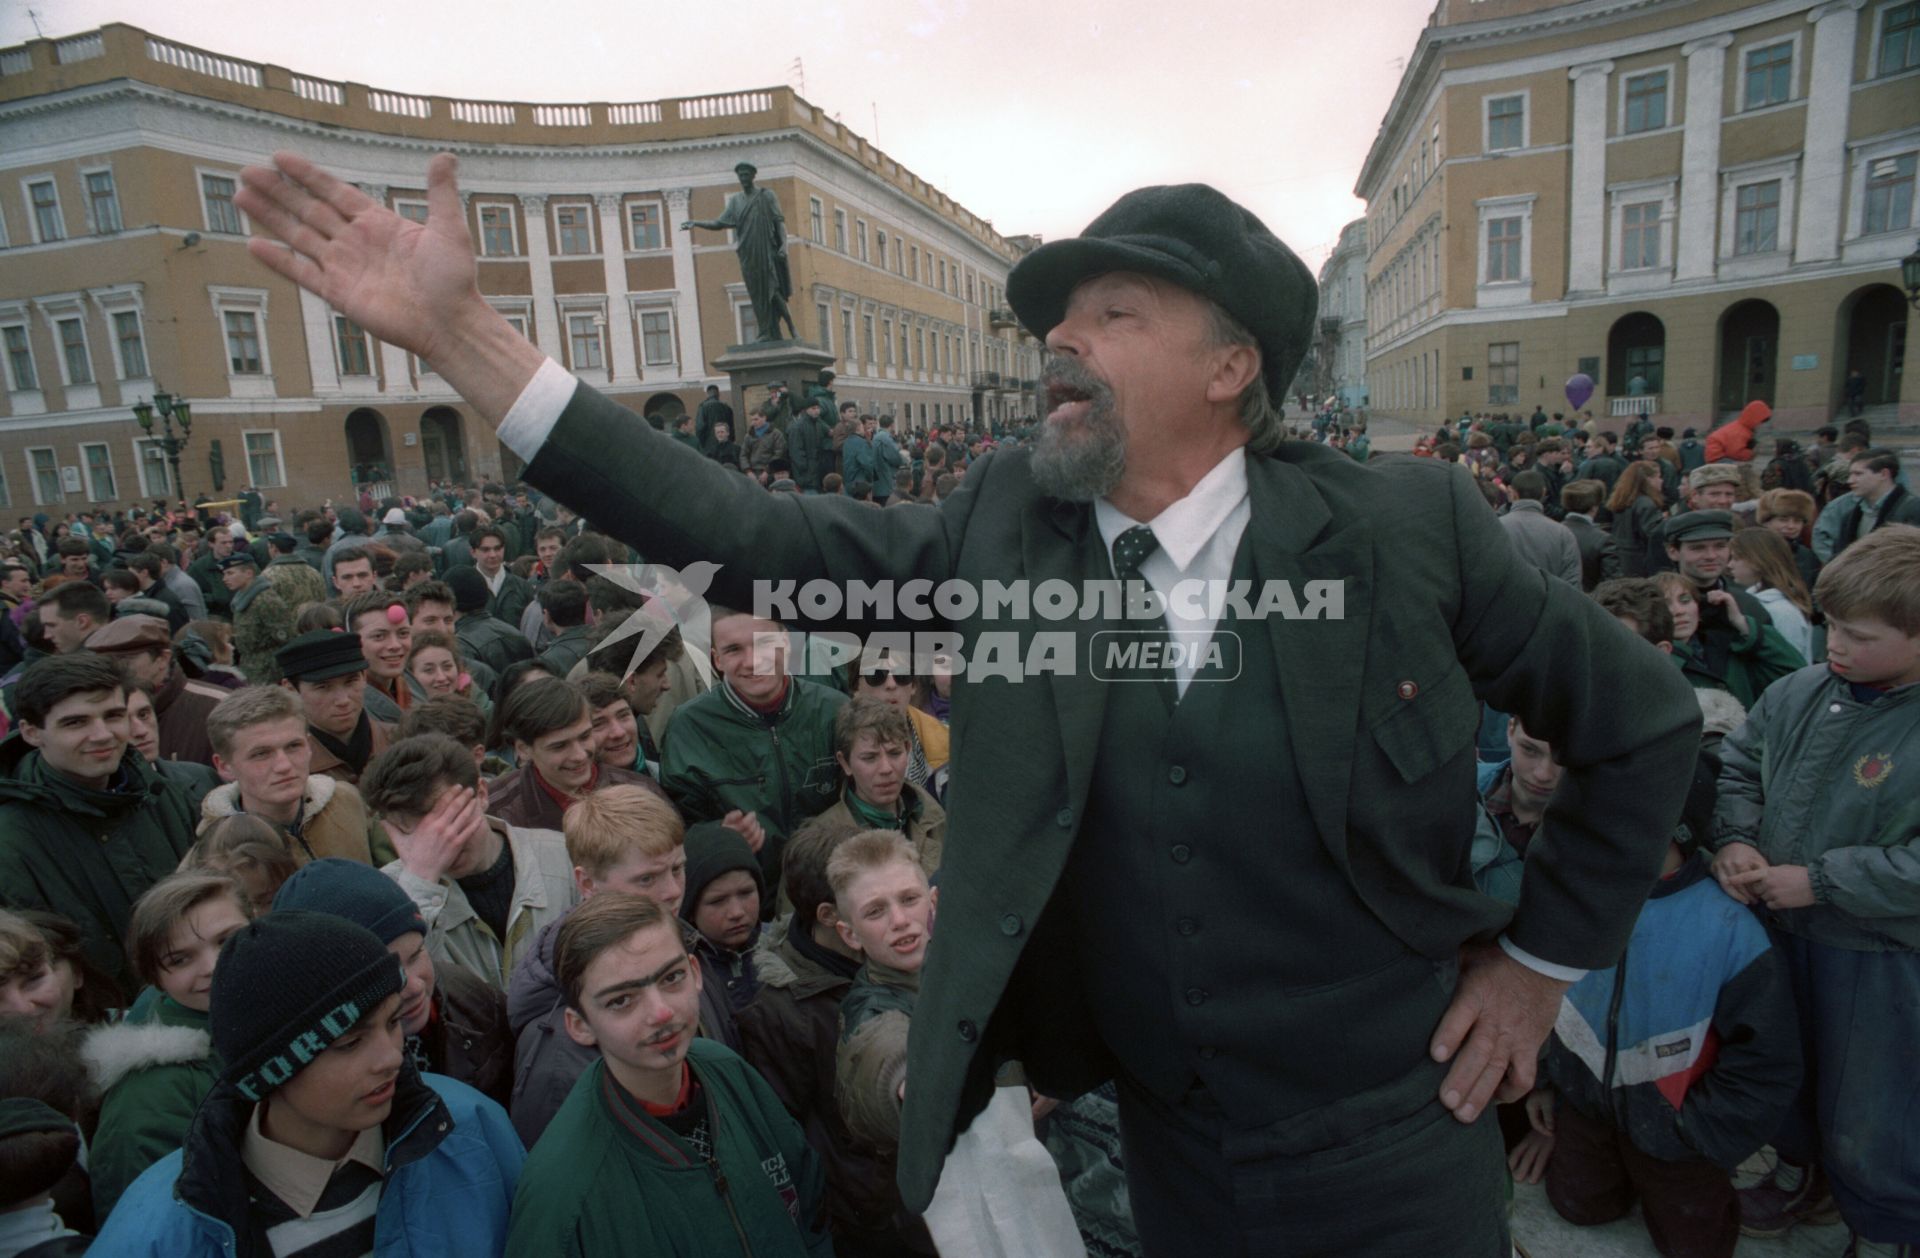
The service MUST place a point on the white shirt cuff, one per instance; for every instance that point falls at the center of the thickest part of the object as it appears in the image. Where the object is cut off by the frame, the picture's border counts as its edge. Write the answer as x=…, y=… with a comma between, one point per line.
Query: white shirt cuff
x=533, y=414
x=1564, y=973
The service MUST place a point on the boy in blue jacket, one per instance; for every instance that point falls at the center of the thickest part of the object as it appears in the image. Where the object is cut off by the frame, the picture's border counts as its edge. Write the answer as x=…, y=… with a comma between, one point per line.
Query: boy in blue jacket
x=1818, y=825
x=320, y=1137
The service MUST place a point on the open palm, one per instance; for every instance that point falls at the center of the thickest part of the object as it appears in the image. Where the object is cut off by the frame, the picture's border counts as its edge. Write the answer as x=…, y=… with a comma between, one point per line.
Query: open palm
x=405, y=282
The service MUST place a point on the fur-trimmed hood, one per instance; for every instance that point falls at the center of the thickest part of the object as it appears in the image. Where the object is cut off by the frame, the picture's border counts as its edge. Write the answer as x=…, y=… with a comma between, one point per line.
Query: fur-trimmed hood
x=224, y=800
x=1721, y=713
x=114, y=1052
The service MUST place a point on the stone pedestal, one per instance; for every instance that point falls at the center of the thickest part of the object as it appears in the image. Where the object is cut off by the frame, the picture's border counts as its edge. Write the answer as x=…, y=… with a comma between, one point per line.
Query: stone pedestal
x=754, y=368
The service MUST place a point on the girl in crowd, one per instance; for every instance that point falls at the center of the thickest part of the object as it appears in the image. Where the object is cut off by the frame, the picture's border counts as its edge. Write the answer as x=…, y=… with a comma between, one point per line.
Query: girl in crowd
x=435, y=662
x=1791, y=513
x=154, y=1069
x=249, y=851
x=44, y=977
x=1763, y=563
x=1637, y=504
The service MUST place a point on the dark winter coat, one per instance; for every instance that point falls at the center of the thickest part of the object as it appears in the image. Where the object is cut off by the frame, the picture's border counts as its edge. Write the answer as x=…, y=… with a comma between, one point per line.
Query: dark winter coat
x=152, y=1073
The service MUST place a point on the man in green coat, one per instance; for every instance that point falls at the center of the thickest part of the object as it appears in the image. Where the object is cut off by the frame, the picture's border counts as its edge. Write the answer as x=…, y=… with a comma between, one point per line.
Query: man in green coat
x=1247, y=899
x=86, y=825
x=668, y=1144
x=263, y=619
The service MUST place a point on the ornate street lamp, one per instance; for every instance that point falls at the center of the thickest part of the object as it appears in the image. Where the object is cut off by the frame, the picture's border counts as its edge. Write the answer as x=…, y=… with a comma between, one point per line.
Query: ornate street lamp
x=170, y=409
x=1910, y=276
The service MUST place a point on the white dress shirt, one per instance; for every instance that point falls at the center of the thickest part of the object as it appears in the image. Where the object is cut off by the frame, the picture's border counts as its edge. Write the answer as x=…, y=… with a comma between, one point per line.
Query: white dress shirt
x=1197, y=536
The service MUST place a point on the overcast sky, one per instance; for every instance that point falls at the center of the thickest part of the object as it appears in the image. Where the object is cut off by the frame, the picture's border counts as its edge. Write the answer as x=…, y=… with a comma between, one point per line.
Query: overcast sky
x=1035, y=115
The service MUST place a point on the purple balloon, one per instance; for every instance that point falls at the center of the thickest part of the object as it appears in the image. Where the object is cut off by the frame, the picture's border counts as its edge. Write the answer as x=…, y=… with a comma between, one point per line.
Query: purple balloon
x=1579, y=389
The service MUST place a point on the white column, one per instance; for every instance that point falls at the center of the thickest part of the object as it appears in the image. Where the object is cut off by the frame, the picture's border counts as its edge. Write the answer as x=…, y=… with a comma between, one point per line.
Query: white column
x=316, y=320
x=1823, y=164
x=1587, y=203
x=546, y=322
x=613, y=254
x=396, y=374
x=686, y=311
x=1700, y=157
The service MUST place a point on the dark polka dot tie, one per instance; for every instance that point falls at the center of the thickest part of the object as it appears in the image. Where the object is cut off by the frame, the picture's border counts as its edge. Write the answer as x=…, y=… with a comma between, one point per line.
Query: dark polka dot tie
x=1131, y=549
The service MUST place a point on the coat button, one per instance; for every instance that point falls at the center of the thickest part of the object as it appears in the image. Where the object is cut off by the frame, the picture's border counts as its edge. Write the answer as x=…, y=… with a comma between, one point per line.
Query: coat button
x=1177, y=774
x=1064, y=819
x=1407, y=689
x=1196, y=996
x=1010, y=925
x=1187, y=926
x=1181, y=853
x=968, y=1031
x=1206, y=1052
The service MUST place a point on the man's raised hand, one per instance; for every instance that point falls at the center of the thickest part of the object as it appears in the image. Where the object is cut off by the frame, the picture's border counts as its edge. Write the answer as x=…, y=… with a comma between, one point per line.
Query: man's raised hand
x=407, y=283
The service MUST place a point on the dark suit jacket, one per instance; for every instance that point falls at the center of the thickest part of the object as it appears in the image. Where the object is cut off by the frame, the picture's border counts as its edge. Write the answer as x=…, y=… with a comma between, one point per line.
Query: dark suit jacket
x=1384, y=696
x=1599, y=556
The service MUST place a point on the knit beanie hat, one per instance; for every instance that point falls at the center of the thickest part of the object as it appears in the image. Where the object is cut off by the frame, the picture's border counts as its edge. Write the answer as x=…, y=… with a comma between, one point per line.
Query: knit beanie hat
x=468, y=586
x=360, y=893
x=712, y=850
x=287, y=985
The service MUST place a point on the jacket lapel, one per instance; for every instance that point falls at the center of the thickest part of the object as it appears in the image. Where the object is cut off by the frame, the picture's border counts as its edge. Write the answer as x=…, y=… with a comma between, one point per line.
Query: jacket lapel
x=1059, y=545
x=1295, y=539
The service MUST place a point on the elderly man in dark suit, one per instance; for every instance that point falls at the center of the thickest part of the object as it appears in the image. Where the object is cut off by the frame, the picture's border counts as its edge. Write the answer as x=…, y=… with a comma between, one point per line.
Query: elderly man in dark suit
x=1246, y=900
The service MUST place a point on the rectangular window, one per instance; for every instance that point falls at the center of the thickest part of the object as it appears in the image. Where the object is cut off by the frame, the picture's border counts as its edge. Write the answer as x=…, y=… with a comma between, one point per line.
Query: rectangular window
x=1890, y=194
x=1899, y=39
x=1506, y=123
x=823, y=317
x=46, y=211
x=656, y=337
x=846, y=338
x=216, y=193
x=99, y=464
x=583, y=339
x=1640, y=235
x=648, y=223
x=73, y=351
x=264, y=466
x=1503, y=373
x=243, y=343
x=152, y=464
x=1649, y=363
x=749, y=325
x=414, y=211
x=943, y=275
x=886, y=339
x=496, y=231
x=880, y=240
x=913, y=253
x=816, y=221
x=1756, y=218
x=132, y=345
x=574, y=229
x=840, y=230
x=1646, y=102
x=860, y=238
x=1769, y=75
x=20, y=359
x=518, y=323
x=1503, y=250
x=866, y=338
x=103, y=204
x=46, y=475
x=351, y=338
x=899, y=258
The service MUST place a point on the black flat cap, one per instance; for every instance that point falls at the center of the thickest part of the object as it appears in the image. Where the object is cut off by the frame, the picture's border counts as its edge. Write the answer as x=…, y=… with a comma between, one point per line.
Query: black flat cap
x=320, y=655
x=1193, y=236
x=240, y=558
x=1698, y=526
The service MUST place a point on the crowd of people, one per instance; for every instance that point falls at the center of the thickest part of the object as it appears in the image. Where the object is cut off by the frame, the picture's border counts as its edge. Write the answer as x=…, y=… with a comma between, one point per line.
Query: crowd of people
x=388, y=878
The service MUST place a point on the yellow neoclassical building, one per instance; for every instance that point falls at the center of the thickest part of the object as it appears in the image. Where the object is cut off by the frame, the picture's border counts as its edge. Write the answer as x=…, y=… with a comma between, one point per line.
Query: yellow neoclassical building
x=1696, y=202
x=123, y=270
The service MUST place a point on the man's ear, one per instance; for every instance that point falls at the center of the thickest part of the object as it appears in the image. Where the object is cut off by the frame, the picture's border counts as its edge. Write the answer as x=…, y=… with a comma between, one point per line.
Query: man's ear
x=577, y=1029
x=1238, y=367
x=693, y=967
x=847, y=936
x=224, y=769
x=584, y=881
x=32, y=733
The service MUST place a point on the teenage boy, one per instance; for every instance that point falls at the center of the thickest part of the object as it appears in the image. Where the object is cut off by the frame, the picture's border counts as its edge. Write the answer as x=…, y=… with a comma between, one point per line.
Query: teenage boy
x=790, y=1031
x=485, y=888
x=551, y=725
x=507, y=595
x=143, y=648
x=482, y=637
x=884, y=910
x=723, y=905
x=625, y=839
x=327, y=671
x=86, y=825
x=430, y=609
x=262, y=753
x=756, y=751
x=568, y=622
x=321, y=1136
x=386, y=639
x=669, y=1143
x=872, y=742
x=649, y=683
x=1670, y=1068
x=1815, y=825
x=456, y=1022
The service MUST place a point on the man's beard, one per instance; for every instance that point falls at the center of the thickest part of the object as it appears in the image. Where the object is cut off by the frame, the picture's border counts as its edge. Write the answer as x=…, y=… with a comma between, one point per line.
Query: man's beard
x=1085, y=464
